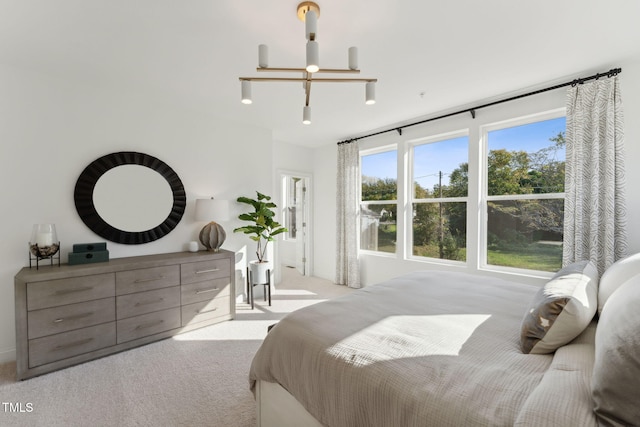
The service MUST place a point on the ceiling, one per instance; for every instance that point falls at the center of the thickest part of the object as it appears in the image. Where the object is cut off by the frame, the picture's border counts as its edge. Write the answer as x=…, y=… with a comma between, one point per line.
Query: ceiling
x=428, y=56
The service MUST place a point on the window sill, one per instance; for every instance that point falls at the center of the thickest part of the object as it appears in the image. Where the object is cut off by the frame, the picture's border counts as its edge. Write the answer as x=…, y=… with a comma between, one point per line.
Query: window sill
x=517, y=272
x=376, y=253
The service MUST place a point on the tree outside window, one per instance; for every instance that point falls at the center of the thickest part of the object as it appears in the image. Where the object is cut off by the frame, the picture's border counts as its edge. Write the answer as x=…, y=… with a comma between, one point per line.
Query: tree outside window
x=440, y=187
x=378, y=207
x=525, y=195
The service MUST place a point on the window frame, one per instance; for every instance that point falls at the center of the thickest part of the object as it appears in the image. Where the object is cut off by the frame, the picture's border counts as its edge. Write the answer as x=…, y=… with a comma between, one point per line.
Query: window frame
x=288, y=188
x=411, y=199
x=485, y=198
x=543, y=107
x=368, y=152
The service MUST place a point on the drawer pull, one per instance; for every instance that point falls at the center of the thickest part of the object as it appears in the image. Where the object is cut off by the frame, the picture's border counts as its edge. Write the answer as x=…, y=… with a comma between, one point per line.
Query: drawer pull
x=204, y=291
x=76, y=317
x=149, y=324
x=152, y=279
x=213, y=270
x=72, y=344
x=73, y=291
x=206, y=311
x=155, y=301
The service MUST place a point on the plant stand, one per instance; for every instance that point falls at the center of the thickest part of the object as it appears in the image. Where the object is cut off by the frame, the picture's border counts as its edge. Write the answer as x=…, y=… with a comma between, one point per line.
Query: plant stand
x=266, y=284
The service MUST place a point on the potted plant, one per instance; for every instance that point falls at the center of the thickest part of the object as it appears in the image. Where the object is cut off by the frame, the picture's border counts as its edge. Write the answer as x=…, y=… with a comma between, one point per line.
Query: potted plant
x=263, y=229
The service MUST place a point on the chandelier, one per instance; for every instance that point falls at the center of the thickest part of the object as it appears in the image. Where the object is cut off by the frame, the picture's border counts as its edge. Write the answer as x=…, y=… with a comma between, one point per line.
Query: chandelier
x=308, y=12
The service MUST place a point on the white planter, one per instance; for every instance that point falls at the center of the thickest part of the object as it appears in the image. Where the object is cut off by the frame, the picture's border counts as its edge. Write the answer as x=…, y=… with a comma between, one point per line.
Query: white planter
x=259, y=272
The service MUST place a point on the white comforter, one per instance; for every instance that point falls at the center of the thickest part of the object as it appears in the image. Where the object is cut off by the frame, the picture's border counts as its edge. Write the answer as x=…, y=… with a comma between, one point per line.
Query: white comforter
x=426, y=349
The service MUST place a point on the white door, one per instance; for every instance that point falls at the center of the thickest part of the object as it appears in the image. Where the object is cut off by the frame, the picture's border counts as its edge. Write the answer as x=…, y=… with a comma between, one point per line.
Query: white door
x=301, y=225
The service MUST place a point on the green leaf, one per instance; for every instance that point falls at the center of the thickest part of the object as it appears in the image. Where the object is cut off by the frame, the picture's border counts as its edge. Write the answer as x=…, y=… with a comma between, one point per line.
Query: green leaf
x=263, y=196
x=244, y=200
x=279, y=231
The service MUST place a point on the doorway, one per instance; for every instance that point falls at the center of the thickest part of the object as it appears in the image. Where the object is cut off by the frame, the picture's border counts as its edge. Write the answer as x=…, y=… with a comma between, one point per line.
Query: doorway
x=295, y=247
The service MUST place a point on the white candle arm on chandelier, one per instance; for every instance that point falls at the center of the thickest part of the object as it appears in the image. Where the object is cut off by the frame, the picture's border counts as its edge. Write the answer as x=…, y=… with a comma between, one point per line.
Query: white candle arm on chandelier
x=306, y=115
x=246, y=92
x=263, y=56
x=370, y=93
x=353, y=58
x=311, y=25
x=313, y=56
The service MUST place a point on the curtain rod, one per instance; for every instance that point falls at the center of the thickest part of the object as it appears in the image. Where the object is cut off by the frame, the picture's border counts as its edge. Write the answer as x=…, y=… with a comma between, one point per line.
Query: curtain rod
x=611, y=73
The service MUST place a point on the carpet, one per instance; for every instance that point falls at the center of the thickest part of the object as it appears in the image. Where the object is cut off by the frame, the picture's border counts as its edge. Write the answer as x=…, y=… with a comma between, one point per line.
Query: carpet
x=199, y=378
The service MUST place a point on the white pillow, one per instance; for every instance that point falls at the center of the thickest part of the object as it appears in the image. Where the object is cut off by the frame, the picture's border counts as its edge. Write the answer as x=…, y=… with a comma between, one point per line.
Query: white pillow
x=614, y=276
x=560, y=310
x=616, y=373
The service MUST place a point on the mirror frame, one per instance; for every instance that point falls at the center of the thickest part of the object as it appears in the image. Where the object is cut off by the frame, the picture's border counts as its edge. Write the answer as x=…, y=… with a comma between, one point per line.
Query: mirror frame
x=83, y=197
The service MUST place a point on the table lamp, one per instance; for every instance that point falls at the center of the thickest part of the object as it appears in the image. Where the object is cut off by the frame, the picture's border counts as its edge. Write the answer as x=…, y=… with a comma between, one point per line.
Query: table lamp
x=212, y=235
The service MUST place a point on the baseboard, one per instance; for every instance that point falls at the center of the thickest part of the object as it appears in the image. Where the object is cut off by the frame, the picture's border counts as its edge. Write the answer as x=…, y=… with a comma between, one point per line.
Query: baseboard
x=8, y=355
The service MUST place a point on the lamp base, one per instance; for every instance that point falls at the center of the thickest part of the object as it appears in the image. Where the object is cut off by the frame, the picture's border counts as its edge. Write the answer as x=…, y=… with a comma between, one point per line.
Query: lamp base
x=212, y=236
x=305, y=7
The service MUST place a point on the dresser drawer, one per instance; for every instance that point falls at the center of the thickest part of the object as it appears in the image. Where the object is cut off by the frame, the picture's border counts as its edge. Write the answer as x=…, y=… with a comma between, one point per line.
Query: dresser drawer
x=57, y=292
x=146, y=279
x=205, y=310
x=205, y=291
x=61, y=346
x=146, y=302
x=55, y=320
x=193, y=272
x=148, y=324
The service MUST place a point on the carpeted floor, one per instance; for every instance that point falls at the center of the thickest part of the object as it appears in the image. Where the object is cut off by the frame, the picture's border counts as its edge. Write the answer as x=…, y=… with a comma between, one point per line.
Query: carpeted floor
x=198, y=378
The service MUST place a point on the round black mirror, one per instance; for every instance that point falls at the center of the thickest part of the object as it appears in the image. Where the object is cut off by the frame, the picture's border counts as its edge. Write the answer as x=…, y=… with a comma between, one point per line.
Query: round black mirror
x=147, y=213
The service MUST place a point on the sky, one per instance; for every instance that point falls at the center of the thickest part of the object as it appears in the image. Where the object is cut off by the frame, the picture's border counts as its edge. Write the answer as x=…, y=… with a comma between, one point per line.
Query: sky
x=447, y=155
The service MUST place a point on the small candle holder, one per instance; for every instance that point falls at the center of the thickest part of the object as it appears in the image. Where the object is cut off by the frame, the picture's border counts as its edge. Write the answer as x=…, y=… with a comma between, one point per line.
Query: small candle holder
x=44, y=244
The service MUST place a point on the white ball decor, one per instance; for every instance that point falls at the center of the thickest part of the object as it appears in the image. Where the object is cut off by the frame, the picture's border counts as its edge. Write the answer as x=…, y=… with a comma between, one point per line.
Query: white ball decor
x=212, y=236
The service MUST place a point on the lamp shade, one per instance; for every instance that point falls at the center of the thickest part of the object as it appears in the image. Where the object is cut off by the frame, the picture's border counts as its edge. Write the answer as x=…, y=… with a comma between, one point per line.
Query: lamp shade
x=313, y=56
x=246, y=92
x=212, y=209
x=370, y=93
x=306, y=115
x=311, y=24
x=263, y=56
x=353, y=58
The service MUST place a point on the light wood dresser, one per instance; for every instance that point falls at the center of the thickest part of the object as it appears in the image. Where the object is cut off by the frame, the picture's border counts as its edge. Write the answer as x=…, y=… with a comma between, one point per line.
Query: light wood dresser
x=74, y=313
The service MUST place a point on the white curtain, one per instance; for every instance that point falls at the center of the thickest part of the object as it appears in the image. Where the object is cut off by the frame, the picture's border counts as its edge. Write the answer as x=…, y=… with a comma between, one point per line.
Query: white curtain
x=347, y=201
x=595, y=214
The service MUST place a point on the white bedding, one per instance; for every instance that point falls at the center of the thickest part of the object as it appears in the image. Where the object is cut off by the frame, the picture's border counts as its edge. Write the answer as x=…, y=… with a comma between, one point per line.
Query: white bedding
x=428, y=348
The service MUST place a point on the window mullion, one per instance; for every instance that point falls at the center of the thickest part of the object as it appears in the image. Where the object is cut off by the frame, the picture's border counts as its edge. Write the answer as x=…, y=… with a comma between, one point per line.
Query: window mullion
x=441, y=200
x=476, y=204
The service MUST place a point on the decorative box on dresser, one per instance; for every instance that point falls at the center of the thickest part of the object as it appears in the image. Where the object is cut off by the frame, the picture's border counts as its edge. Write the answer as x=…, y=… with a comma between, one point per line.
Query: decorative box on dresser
x=75, y=313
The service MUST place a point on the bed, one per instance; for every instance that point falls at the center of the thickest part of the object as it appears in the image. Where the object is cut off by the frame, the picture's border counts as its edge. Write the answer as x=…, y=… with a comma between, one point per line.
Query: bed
x=446, y=349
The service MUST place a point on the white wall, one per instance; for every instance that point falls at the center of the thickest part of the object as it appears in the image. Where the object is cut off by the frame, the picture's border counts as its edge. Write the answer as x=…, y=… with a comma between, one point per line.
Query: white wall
x=376, y=268
x=324, y=188
x=52, y=128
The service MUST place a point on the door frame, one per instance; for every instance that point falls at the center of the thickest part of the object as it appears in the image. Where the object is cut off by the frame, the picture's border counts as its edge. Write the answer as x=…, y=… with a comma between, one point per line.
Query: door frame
x=308, y=177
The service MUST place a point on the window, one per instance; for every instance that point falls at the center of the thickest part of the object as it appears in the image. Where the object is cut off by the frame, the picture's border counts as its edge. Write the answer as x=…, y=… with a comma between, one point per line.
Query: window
x=291, y=199
x=524, y=180
x=439, y=198
x=378, y=206
x=484, y=192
